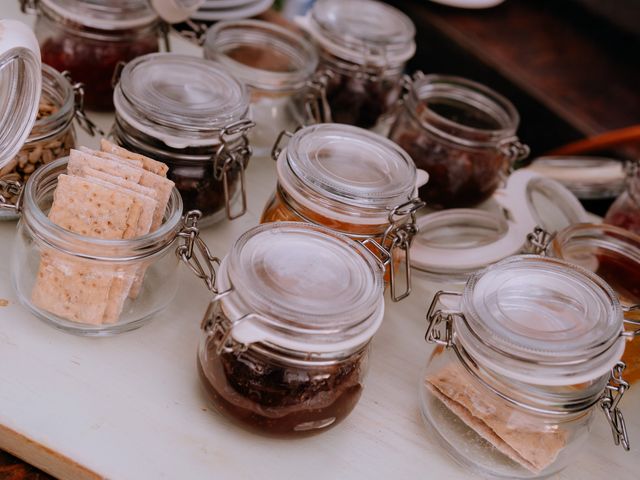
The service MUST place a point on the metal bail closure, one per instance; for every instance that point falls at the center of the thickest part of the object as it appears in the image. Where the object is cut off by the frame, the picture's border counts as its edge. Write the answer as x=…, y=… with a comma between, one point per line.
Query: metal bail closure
x=397, y=239
x=513, y=150
x=11, y=188
x=195, y=253
x=538, y=241
x=233, y=154
x=79, y=113
x=30, y=7
x=632, y=318
x=440, y=321
x=609, y=403
x=316, y=104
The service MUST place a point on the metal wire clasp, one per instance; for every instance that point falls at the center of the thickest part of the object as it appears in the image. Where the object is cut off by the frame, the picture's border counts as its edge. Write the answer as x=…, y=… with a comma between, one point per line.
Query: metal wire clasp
x=397, y=240
x=538, y=241
x=440, y=321
x=79, y=113
x=609, y=403
x=316, y=104
x=513, y=150
x=12, y=188
x=195, y=253
x=233, y=154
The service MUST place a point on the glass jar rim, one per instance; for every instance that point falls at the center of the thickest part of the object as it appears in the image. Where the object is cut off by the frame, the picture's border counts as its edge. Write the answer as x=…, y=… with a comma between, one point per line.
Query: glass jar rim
x=364, y=32
x=86, y=247
x=541, y=320
x=318, y=163
x=302, y=287
x=121, y=15
x=180, y=100
x=301, y=54
x=467, y=92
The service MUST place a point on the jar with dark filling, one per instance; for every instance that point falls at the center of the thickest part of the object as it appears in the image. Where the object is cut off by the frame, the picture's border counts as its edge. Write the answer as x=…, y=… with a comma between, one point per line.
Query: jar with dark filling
x=364, y=46
x=462, y=133
x=88, y=39
x=192, y=115
x=285, y=343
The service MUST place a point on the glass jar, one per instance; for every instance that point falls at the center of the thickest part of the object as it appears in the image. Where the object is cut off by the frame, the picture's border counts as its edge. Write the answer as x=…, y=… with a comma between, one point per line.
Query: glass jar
x=285, y=344
x=277, y=65
x=53, y=134
x=353, y=181
x=192, y=115
x=625, y=211
x=364, y=46
x=89, y=39
x=524, y=357
x=462, y=133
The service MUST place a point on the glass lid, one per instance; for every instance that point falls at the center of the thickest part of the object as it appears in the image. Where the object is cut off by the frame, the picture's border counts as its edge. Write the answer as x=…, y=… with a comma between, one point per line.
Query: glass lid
x=585, y=177
x=541, y=320
x=111, y=15
x=363, y=30
x=352, y=166
x=20, y=86
x=179, y=99
x=306, y=283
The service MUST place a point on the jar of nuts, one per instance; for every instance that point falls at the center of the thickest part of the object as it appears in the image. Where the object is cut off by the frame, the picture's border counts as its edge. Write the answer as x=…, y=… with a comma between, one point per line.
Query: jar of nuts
x=53, y=134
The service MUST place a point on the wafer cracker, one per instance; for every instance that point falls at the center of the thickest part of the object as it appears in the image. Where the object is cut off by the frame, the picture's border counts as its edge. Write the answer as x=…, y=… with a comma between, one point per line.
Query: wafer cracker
x=521, y=437
x=78, y=159
x=148, y=164
x=110, y=156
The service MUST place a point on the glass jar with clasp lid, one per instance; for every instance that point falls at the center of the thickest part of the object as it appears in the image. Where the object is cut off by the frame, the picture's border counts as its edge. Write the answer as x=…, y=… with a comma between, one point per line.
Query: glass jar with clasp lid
x=355, y=182
x=364, y=46
x=285, y=342
x=523, y=359
x=191, y=114
x=625, y=211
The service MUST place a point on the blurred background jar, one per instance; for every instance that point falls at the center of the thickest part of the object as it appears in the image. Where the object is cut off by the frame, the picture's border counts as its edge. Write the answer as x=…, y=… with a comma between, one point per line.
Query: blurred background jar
x=89, y=38
x=462, y=133
x=364, y=46
x=53, y=134
x=625, y=211
x=277, y=66
x=191, y=114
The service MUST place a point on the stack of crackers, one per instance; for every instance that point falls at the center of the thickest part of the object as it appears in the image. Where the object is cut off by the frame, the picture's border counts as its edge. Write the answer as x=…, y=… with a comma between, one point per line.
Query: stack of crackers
x=112, y=194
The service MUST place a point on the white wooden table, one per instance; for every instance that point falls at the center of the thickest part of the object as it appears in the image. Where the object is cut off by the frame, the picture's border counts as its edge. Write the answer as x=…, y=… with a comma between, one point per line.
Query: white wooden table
x=130, y=407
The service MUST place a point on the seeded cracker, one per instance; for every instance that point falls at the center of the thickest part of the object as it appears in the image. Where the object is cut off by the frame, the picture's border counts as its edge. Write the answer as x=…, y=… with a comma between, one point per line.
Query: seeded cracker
x=74, y=288
x=78, y=159
x=148, y=164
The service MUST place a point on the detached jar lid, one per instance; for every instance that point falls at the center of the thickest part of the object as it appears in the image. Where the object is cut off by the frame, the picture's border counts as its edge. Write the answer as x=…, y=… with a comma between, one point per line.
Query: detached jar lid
x=363, y=31
x=111, y=15
x=20, y=86
x=541, y=320
x=351, y=166
x=586, y=177
x=178, y=99
x=301, y=287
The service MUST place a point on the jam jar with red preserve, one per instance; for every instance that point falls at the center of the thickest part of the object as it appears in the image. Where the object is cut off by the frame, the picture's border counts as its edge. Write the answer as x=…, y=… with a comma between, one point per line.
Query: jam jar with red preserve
x=364, y=46
x=462, y=133
x=285, y=342
x=88, y=38
x=625, y=211
x=191, y=114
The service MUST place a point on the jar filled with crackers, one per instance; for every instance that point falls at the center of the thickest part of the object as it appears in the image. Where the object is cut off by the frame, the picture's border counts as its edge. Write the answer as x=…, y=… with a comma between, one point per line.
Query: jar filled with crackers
x=53, y=134
x=524, y=358
x=285, y=344
x=193, y=115
x=355, y=182
x=99, y=241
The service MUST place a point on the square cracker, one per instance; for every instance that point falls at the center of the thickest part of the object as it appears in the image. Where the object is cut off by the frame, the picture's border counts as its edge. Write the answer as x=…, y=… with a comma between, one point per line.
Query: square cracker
x=522, y=437
x=148, y=164
x=111, y=156
x=78, y=159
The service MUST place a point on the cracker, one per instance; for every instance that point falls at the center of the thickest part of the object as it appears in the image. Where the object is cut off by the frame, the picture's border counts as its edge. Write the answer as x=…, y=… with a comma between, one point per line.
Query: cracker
x=78, y=159
x=110, y=156
x=518, y=435
x=148, y=164
x=163, y=188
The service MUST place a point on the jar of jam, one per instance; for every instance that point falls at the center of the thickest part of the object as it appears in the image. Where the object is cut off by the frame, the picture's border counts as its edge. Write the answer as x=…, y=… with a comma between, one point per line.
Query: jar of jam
x=355, y=182
x=192, y=115
x=89, y=39
x=277, y=65
x=524, y=358
x=462, y=133
x=612, y=253
x=625, y=211
x=53, y=134
x=285, y=343
x=364, y=46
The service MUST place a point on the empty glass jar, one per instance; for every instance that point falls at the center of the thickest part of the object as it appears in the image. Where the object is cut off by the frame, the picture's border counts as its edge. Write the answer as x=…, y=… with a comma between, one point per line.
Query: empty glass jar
x=524, y=357
x=285, y=343
x=462, y=133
